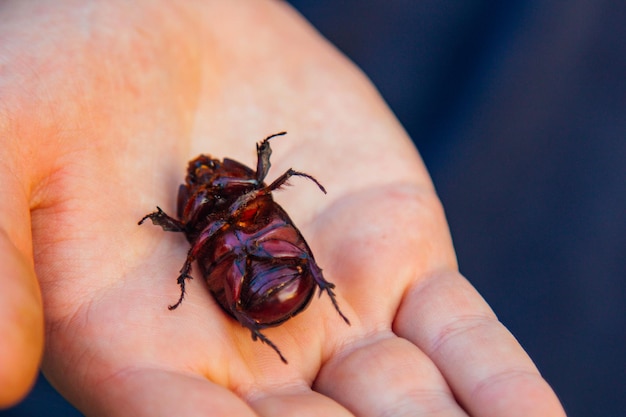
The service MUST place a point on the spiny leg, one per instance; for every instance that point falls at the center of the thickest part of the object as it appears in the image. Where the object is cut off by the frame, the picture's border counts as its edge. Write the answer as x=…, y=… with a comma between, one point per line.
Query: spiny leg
x=250, y=324
x=184, y=274
x=328, y=287
x=243, y=200
x=278, y=182
x=264, y=152
x=170, y=224
x=160, y=218
x=257, y=334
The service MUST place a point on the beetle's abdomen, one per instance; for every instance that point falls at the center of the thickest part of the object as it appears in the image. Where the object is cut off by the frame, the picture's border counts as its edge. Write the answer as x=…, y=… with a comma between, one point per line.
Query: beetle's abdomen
x=276, y=291
x=266, y=274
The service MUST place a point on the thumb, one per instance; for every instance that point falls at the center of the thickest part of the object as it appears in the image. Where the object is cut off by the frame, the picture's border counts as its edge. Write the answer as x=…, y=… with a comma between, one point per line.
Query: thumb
x=21, y=310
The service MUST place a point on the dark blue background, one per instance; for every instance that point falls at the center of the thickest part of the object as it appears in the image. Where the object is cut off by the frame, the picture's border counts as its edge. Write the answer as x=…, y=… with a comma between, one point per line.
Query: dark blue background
x=519, y=110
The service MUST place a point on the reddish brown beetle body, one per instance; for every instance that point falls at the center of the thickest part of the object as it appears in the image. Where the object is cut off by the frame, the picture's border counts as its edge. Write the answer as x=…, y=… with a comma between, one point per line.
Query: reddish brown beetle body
x=257, y=265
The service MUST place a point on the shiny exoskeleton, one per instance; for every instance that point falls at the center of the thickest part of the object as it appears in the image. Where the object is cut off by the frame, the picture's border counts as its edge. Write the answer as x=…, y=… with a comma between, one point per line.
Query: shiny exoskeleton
x=257, y=265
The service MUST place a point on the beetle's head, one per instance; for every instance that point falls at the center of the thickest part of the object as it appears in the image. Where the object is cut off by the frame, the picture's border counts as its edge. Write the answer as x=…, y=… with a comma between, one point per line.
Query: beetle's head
x=201, y=170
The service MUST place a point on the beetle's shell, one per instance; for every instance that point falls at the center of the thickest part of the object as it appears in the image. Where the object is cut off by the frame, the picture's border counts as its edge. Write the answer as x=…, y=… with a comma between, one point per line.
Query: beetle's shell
x=258, y=264
x=262, y=268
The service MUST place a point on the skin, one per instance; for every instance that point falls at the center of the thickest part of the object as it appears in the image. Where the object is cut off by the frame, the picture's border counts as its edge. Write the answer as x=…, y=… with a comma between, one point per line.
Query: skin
x=101, y=106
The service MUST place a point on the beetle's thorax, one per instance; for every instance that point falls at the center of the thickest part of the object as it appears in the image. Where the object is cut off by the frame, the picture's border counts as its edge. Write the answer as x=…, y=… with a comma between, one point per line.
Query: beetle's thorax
x=222, y=190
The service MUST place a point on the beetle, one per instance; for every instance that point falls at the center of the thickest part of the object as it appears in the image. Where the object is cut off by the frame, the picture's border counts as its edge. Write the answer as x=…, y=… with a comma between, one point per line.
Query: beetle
x=256, y=263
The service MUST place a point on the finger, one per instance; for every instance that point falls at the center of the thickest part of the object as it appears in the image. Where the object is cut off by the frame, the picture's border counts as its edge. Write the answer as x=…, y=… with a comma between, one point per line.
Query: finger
x=488, y=371
x=21, y=311
x=155, y=392
x=21, y=323
x=387, y=375
x=295, y=400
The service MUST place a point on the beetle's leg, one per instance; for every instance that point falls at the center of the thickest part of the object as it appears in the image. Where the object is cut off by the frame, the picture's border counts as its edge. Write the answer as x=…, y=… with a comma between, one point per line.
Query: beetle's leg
x=243, y=200
x=170, y=224
x=263, y=152
x=184, y=274
x=280, y=181
x=326, y=286
x=256, y=334
x=199, y=243
x=159, y=218
x=183, y=197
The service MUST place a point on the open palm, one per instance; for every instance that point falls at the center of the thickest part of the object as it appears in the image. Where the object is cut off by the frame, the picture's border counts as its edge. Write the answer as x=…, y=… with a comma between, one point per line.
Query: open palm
x=102, y=116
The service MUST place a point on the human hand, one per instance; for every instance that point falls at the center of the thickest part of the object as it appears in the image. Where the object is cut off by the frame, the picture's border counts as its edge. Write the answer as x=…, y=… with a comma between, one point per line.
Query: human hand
x=103, y=105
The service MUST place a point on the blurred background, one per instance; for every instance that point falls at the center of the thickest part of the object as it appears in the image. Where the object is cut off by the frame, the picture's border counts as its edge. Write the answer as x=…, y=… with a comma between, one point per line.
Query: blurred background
x=519, y=111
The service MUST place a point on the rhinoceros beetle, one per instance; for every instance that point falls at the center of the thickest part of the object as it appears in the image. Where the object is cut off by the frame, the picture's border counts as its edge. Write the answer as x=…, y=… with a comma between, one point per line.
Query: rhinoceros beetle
x=257, y=265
